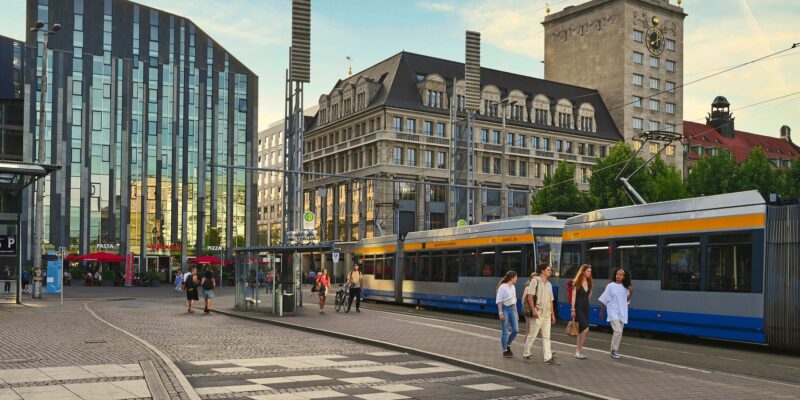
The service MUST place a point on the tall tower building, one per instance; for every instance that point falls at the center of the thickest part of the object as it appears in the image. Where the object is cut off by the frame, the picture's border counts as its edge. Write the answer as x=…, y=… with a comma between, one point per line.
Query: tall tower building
x=631, y=51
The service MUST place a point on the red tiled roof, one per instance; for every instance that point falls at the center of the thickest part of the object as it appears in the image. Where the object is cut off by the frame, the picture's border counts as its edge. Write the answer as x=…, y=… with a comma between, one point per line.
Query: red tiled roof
x=740, y=145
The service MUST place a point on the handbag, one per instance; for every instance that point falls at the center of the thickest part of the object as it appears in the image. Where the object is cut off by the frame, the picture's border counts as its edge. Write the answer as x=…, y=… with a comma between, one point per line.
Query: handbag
x=572, y=328
x=315, y=288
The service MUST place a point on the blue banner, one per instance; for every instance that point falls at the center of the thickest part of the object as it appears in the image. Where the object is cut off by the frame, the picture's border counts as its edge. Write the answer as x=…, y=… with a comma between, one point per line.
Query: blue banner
x=54, y=276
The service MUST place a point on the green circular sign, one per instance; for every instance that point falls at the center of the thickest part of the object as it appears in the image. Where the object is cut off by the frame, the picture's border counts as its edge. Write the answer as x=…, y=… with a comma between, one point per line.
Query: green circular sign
x=308, y=216
x=461, y=223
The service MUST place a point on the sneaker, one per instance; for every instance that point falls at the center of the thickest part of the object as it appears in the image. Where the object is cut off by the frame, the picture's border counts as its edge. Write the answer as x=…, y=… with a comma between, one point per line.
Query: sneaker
x=357, y=310
x=527, y=357
x=615, y=354
x=507, y=354
x=551, y=361
x=580, y=356
x=508, y=349
x=321, y=312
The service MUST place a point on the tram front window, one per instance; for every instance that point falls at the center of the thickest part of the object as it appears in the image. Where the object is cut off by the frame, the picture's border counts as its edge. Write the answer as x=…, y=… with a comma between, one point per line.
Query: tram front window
x=570, y=259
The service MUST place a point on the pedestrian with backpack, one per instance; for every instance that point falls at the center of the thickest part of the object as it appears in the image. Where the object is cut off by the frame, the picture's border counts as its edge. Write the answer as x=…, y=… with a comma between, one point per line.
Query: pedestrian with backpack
x=208, y=289
x=542, y=304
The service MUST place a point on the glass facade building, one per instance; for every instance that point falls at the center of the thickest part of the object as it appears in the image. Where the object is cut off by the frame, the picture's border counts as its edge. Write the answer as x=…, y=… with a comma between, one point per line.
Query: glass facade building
x=139, y=103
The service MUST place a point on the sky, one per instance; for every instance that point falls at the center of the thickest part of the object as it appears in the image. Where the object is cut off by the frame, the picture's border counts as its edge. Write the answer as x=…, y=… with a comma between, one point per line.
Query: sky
x=718, y=34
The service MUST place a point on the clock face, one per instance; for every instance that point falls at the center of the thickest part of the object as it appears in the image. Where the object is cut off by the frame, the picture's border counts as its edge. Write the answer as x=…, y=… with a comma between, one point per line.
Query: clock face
x=655, y=41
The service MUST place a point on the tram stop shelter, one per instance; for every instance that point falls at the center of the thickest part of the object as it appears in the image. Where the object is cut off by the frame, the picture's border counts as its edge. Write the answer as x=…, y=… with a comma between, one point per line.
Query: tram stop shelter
x=14, y=177
x=281, y=266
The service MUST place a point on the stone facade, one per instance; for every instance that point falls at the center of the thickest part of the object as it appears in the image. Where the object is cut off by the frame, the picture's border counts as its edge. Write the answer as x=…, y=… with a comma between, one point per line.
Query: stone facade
x=603, y=44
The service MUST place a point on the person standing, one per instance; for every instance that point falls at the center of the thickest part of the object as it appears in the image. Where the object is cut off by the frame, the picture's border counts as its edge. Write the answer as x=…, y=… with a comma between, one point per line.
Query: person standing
x=6, y=277
x=528, y=318
x=26, y=280
x=355, y=281
x=616, y=298
x=98, y=278
x=311, y=277
x=542, y=306
x=582, y=289
x=506, y=300
x=269, y=282
x=324, y=283
x=190, y=286
x=208, y=289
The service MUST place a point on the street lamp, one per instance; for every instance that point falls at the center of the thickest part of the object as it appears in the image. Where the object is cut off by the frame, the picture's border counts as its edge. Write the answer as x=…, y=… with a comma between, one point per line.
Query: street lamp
x=38, y=226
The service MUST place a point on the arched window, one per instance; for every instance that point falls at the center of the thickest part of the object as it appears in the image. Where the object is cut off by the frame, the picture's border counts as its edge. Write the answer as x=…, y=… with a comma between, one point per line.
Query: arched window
x=586, y=118
x=564, y=114
x=541, y=110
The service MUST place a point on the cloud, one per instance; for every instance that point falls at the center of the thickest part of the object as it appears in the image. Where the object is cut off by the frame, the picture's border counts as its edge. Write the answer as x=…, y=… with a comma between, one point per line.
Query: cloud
x=433, y=6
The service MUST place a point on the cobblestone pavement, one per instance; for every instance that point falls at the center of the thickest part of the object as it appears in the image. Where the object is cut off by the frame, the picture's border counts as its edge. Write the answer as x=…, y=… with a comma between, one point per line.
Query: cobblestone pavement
x=226, y=357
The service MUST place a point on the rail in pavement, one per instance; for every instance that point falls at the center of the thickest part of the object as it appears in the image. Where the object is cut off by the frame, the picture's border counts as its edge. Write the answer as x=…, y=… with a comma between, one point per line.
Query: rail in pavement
x=477, y=347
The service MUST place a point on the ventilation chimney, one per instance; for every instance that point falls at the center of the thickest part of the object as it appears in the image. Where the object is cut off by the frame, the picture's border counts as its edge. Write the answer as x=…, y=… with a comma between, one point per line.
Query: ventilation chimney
x=786, y=133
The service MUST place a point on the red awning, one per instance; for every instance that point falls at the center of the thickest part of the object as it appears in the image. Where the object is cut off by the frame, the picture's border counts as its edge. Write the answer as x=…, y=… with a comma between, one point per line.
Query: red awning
x=72, y=257
x=101, y=256
x=205, y=260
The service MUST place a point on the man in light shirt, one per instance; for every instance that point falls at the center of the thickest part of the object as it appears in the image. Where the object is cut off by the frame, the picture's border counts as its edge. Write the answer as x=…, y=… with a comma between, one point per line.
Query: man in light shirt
x=543, y=314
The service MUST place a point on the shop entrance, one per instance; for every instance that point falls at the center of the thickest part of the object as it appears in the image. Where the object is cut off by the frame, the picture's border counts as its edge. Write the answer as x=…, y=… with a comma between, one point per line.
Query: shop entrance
x=159, y=264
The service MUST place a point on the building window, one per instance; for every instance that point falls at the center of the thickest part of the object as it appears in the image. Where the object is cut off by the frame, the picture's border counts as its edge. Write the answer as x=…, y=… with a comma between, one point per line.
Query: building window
x=590, y=152
x=559, y=145
x=412, y=157
x=637, y=123
x=670, y=66
x=670, y=87
x=638, y=36
x=564, y=120
x=484, y=135
x=537, y=170
x=637, y=101
x=669, y=127
x=411, y=125
x=581, y=149
x=637, y=79
x=636, y=145
x=637, y=57
x=653, y=148
x=397, y=154
x=440, y=129
x=534, y=142
x=654, y=105
x=521, y=141
x=603, y=151
x=509, y=139
x=540, y=116
x=585, y=175
x=669, y=108
x=546, y=144
x=654, y=83
x=485, y=162
x=496, y=137
x=498, y=168
x=653, y=125
x=568, y=147
x=512, y=167
x=397, y=124
x=670, y=150
x=442, y=161
x=523, y=169
x=428, y=159
x=654, y=62
x=427, y=128
x=670, y=45
x=587, y=124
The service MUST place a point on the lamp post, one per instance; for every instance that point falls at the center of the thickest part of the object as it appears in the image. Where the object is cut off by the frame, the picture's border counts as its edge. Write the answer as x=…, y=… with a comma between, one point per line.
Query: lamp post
x=38, y=226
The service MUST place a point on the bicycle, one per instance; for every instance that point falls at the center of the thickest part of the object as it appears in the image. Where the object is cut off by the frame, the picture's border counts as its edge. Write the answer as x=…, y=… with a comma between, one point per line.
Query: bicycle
x=342, y=299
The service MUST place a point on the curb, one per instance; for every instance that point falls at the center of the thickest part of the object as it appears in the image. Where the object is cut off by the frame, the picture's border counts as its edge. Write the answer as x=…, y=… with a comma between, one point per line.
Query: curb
x=423, y=353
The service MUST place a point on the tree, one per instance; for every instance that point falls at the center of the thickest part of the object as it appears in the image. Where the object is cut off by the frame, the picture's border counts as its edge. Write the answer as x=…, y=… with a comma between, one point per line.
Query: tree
x=604, y=189
x=666, y=182
x=560, y=193
x=792, y=180
x=715, y=174
x=756, y=173
x=212, y=236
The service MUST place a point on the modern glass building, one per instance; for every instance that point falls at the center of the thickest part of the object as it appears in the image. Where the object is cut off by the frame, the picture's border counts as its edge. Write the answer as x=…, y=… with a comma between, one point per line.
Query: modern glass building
x=139, y=103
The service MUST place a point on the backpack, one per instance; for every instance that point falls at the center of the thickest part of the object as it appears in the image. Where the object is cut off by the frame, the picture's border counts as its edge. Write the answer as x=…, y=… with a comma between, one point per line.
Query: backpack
x=208, y=284
x=570, y=290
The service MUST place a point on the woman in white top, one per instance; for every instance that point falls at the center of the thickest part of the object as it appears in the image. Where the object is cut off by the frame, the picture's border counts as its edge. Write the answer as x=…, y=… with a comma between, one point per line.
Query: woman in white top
x=507, y=309
x=616, y=298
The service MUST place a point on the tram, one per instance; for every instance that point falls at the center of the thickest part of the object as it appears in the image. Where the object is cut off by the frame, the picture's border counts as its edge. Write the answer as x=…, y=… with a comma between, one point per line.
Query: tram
x=457, y=268
x=715, y=266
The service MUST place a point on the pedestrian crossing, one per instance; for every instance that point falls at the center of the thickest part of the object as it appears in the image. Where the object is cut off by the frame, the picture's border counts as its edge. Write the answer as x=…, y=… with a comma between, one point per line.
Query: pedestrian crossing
x=369, y=376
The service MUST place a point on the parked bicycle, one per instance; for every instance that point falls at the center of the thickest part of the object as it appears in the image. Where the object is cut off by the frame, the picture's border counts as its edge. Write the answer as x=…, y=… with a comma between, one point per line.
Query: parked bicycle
x=342, y=299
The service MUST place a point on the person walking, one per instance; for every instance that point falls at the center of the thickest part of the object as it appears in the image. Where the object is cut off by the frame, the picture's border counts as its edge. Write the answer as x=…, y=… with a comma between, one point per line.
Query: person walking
x=582, y=289
x=26, y=280
x=616, y=298
x=324, y=284
x=6, y=277
x=528, y=317
x=190, y=286
x=208, y=289
x=542, y=305
x=98, y=278
x=355, y=281
x=506, y=300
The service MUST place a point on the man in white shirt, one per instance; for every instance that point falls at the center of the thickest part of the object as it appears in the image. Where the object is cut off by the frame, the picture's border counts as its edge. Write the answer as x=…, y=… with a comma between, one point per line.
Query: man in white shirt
x=355, y=281
x=543, y=314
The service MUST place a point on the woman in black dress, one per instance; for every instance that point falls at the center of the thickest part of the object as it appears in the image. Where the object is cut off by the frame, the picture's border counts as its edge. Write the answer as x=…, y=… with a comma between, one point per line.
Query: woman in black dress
x=190, y=286
x=582, y=285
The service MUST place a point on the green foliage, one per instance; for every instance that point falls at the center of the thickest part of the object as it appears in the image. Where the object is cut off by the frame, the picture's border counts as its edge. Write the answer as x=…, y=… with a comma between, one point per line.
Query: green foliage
x=212, y=236
x=714, y=174
x=604, y=189
x=665, y=182
x=792, y=180
x=756, y=173
x=560, y=193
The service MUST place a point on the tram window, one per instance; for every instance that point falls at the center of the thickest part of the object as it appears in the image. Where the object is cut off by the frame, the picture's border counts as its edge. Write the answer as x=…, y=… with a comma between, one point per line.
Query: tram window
x=388, y=268
x=467, y=265
x=549, y=249
x=597, y=257
x=730, y=262
x=423, y=272
x=510, y=260
x=436, y=267
x=486, y=263
x=410, y=266
x=378, y=268
x=369, y=265
x=639, y=257
x=681, y=264
x=451, y=266
x=570, y=259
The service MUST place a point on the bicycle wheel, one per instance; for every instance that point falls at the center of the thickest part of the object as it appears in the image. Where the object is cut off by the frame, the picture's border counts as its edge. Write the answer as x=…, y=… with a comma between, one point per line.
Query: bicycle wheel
x=338, y=301
x=347, y=302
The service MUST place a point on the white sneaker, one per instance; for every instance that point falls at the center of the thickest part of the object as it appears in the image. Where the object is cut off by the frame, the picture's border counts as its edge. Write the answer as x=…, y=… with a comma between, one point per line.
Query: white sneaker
x=580, y=356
